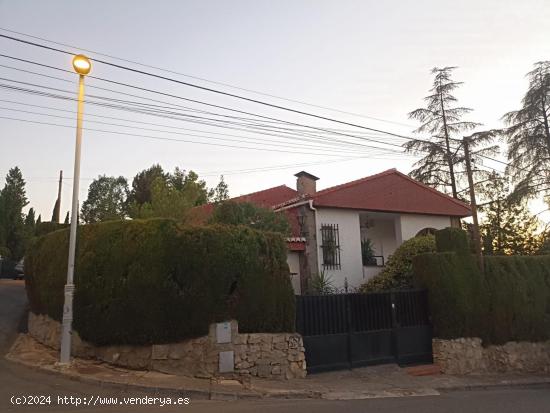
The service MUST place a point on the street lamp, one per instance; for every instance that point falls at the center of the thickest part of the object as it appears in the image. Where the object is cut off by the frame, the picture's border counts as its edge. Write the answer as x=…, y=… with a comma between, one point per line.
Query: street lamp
x=82, y=66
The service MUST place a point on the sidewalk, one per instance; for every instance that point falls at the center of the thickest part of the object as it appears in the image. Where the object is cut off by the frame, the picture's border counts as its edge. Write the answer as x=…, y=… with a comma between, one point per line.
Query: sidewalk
x=363, y=383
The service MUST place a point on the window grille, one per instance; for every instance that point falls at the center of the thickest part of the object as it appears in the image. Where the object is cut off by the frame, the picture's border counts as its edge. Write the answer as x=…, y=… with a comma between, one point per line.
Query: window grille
x=330, y=239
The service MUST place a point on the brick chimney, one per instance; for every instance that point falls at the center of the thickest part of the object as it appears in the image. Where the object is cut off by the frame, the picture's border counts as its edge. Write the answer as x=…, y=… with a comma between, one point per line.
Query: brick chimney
x=305, y=184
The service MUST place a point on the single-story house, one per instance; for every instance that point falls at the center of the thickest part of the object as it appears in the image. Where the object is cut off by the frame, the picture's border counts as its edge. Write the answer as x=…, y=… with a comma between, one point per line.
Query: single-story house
x=350, y=230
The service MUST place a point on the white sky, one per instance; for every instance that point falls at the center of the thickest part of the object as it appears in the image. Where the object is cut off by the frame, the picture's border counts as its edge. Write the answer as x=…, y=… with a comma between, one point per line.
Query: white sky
x=368, y=57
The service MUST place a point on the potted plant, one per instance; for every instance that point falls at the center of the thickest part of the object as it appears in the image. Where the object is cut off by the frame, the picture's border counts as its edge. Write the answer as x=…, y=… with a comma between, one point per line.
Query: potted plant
x=367, y=252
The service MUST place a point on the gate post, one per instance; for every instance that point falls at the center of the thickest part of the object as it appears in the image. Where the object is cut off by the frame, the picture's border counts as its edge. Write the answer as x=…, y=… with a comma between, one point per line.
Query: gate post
x=349, y=328
x=394, y=326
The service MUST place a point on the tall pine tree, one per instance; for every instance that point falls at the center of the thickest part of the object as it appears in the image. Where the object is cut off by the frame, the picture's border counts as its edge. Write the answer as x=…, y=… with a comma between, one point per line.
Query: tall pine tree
x=442, y=120
x=528, y=136
x=13, y=199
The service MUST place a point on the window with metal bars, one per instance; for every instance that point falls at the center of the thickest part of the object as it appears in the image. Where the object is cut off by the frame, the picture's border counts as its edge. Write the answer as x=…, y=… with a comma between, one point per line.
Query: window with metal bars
x=330, y=239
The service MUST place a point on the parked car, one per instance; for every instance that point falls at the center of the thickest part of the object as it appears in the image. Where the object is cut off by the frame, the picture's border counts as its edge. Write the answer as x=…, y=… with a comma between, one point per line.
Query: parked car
x=19, y=270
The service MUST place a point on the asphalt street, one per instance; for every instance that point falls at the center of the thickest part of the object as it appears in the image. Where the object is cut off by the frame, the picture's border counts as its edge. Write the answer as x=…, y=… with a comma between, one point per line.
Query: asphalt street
x=18, y=383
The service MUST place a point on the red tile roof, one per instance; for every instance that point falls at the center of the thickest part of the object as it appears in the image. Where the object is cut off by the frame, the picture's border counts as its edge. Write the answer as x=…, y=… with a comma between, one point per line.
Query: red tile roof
x=390, y=191
x=268, y=198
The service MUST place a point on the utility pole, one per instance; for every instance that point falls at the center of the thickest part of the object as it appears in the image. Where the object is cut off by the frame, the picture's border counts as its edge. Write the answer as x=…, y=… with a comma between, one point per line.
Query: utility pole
x=57, y=209
x=477, y=236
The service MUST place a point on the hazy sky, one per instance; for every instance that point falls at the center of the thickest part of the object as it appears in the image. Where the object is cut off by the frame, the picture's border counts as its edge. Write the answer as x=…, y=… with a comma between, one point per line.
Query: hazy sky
x=367, y=57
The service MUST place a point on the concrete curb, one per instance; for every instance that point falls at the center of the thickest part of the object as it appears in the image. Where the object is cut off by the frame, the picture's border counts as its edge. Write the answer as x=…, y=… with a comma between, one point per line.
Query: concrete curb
x=199, y=394
x=496, y=386
x=228, y=395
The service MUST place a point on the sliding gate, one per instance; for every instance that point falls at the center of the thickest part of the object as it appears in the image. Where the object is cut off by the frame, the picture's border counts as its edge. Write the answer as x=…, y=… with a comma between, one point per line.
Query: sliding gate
x=351, y=330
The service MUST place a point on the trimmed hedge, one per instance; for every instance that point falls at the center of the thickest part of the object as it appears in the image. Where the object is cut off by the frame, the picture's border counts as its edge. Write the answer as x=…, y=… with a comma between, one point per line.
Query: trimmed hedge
x=44, y=228
x=518, y=292
x=154, y=281
x=455, y=290
x=510, y=301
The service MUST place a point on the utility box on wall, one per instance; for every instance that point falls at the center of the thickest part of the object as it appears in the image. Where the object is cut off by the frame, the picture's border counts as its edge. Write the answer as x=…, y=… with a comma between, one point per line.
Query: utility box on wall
x=227, y=361
x=223, y=332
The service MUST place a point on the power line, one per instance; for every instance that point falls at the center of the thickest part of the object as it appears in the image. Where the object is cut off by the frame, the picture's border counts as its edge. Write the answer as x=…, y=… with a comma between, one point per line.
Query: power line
x=230, y=172
x=164, y=138
x=323, y=140
x=263, y=128
x=256, y=141
x=247, y=138
x=239, y=97
x=302, y=131
x=207, y=89
x=242, y=98
x=208, y=80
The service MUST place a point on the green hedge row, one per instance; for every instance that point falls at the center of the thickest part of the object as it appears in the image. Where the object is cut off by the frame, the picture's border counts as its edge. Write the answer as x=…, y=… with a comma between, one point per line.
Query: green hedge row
x=154, y=281
x=44, y=228
x=510, y=301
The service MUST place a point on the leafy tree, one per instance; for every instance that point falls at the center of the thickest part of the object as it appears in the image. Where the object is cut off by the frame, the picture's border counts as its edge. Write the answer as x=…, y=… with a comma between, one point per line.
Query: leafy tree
x=172, y=195
x=171, y=201
x=248, y=214
x=508, y=226
x=12, y=201
x=194, y=188
x=142, y=182
x=107, y=196
x=221, y=192
x=39, y=219
x=67, y=218
x=442, y=119
x=528, y=136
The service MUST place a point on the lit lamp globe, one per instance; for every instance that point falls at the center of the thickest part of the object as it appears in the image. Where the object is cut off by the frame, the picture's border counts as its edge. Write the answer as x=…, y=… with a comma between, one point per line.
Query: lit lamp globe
x=82, y=64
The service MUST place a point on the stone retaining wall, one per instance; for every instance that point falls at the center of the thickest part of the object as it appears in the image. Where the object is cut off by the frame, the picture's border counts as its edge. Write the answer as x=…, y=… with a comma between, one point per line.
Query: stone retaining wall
x=467, y=355
x=277, y=356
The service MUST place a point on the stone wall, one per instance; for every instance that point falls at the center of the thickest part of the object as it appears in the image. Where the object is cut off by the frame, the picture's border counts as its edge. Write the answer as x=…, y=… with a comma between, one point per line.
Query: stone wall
x=467, y=355
x=277, y=356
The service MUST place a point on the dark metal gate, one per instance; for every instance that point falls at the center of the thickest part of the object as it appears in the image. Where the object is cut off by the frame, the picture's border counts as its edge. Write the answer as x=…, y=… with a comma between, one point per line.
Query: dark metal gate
x=351, y=330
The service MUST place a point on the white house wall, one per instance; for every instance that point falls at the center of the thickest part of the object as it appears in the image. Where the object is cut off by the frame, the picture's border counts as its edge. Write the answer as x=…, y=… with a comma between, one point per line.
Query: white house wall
x=350, y=245
x=387, y=233
x=411, y=224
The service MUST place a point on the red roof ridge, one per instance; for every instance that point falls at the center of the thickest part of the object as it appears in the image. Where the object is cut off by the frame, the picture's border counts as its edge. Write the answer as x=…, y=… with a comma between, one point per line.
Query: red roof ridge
x=355, y=182
x=300, y=197
x=262, y=190
x=435, y=191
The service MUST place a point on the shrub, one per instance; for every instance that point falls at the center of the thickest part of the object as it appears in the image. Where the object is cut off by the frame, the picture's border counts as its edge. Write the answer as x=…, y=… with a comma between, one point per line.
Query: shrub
x=510, y=301
x=452, y=239
x=398, y=273
x=5, y=253
x=250, y=215
x=154, y=281
x=321, y=284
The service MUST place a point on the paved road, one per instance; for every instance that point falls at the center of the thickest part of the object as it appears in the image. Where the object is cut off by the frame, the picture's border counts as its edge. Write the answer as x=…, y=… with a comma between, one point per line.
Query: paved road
x=16, y=380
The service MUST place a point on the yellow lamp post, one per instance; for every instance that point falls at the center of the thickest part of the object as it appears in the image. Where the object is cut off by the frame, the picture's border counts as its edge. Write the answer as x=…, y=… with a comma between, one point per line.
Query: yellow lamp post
x=82, y=66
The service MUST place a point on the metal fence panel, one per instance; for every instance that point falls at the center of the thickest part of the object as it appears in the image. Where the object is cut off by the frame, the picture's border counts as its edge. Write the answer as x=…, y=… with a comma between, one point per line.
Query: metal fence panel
x=350, y=330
